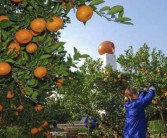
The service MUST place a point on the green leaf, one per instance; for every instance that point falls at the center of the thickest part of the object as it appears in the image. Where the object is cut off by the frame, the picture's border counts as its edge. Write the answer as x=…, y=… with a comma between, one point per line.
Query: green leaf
x=34, y=95
x=127, y=23
x=6, y=23
x=76, y=54
x=104, y=8
x=44, y=57
x=122, y=19
x=10, y=61
x=85, y=56
x=47, y=49
x=32, y=82
x=4, y=34
x=121, y=14
x=28, y=90
x=96, y=2
x=115, y=9
x=57, y=45
x=67, y=8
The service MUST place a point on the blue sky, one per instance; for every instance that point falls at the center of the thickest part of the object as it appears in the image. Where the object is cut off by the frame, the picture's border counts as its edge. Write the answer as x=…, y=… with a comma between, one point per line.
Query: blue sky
x=150, y=27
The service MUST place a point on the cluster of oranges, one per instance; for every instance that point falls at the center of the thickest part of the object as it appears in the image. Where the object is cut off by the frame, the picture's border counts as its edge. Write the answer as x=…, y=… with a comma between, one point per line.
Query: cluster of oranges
x=23, y=40
x=37, y=26
x=36, y=130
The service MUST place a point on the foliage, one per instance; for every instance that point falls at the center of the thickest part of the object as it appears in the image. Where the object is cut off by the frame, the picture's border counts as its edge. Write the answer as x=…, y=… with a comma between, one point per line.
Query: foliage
x=28, y=106
x=94, y=89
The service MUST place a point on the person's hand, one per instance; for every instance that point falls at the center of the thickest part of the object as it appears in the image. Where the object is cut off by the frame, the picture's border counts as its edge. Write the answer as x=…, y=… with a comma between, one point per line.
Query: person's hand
x=152, y=88
x=145, y=89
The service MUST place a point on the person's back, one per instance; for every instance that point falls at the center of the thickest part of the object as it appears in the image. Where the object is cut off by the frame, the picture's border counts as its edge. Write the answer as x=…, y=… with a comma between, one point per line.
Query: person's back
x=135, y=123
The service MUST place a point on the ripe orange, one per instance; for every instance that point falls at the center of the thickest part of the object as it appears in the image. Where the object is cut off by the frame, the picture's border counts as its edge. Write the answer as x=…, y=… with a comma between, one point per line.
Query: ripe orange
x=31, y=48
x=64, y=4
x=5, y=68
x=38, y=107
x=10, y=95
x=38, y=25
x=155, y=102
x=23, y=36
x=55, y=24
x=1, y=107
x=34, y=131
x=3, y=17
x=40, y=129
x=60, y=81
x=40, y=72
x=45, y=124
x=17, y=1
x=84, y=13
x=14, y=47
x=20, y=107
x=165, y=94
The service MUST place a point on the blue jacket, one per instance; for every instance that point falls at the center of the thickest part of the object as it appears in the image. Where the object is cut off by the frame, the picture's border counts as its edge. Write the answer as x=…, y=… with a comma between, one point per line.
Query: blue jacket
x=135, y=122
x=90, y=123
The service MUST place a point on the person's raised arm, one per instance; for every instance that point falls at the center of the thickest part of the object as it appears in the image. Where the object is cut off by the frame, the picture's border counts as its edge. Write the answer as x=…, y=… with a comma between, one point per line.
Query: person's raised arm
x=148, y=97
x=143, y=93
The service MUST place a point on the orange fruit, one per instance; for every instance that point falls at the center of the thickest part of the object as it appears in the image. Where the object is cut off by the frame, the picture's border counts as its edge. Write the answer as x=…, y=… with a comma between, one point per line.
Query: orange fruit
x=14, y=47
x=84, y=13
x=165, y=74
x=3, y=17
x=34, y=131
x=55, y=24
x=17, y=1
x=40, y=129
x=38, y=25
x=59, y=84
x=40, y=72
x=64, y=4
x=31, y=48
x=20, y=107
x=10, y=95
x=165, y=94
x=60, y=81
x=23, y=36
x=1, y=107
x=155, y=102
x=45, y=124
x=34, y=33
x=5, y=68
x=38, y=107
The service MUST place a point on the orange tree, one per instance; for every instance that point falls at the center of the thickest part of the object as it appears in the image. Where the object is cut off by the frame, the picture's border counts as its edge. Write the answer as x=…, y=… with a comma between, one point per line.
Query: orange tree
x=32, y=59
x=148, y=68
x=92, y=89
